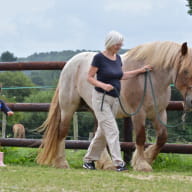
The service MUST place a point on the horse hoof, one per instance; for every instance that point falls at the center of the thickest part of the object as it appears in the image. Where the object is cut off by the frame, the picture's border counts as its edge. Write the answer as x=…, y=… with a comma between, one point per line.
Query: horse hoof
x=105, y=165
x=143, y=167
x=61, y=164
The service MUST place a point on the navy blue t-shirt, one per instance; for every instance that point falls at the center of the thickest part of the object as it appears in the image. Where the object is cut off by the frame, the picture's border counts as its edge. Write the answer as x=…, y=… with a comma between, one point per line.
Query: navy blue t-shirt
x=109, y=71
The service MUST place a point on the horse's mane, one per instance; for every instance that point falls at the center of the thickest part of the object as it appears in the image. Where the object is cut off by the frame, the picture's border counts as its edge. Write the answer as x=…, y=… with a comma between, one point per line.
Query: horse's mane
x=158, y=54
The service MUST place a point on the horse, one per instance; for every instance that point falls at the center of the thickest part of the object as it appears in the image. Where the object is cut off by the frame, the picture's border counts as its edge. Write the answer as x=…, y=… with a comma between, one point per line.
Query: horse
x=18, y=130
x=171, y=62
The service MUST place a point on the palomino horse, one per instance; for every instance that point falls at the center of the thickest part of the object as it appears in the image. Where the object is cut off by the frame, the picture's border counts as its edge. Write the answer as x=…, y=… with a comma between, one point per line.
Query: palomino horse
x=19, y=131
x=172, y=63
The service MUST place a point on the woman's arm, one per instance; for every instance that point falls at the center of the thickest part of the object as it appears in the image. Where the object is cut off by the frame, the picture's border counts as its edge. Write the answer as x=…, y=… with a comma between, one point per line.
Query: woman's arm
x=130, y=74
x=5, y=108
x=91, y=79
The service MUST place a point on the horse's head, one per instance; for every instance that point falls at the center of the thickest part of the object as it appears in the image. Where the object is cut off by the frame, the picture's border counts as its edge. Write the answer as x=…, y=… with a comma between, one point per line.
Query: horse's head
x=183, y=81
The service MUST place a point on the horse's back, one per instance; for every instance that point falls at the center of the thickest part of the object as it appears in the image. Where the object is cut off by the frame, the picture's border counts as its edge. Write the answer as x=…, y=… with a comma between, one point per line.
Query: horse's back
x=77, y=66
x=73, y=83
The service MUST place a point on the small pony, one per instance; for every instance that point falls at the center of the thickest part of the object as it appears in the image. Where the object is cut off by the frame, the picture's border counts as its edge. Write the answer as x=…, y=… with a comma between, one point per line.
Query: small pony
x=19, y=131
x=171, y=62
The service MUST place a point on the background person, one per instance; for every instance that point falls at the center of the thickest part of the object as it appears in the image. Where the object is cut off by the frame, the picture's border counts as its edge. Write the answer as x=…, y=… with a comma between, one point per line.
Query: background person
x=5, y=108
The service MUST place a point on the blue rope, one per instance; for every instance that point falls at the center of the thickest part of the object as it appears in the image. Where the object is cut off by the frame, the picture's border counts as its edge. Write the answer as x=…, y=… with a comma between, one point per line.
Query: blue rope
x=156, y=107
x=123, y=109
x=147, y=74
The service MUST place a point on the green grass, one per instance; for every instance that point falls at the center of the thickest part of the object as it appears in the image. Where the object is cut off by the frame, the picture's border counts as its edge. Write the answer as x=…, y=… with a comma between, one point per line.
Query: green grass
x=172, y=172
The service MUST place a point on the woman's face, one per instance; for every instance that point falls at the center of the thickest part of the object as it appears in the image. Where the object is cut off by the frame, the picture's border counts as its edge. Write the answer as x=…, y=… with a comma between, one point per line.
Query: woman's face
x=115, y=48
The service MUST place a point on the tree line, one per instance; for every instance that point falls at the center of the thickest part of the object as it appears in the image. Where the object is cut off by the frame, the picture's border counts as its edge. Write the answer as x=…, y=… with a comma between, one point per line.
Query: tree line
x=189, y=5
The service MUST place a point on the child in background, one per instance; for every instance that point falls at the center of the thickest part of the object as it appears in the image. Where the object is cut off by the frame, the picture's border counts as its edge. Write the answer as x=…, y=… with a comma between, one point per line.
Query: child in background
x=5, y=108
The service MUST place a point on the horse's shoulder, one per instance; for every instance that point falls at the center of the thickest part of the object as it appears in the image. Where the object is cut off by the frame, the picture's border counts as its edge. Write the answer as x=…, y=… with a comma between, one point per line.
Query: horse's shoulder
x=81, y=57
x=86, y=54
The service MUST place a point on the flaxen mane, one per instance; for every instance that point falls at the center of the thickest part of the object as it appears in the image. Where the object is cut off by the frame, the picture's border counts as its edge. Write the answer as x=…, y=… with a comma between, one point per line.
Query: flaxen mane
x=159, y=55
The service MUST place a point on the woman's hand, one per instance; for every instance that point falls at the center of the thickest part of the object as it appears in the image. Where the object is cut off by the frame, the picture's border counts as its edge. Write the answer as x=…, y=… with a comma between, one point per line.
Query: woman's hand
x=107, y=87
x=145, y=68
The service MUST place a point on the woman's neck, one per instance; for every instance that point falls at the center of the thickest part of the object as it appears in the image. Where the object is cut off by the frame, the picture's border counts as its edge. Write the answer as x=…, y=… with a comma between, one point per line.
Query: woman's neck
x=110, y=54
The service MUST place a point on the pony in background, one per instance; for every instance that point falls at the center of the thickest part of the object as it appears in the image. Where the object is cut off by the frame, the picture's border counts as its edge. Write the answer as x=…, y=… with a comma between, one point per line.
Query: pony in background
x=18, y=131
x=171, y=62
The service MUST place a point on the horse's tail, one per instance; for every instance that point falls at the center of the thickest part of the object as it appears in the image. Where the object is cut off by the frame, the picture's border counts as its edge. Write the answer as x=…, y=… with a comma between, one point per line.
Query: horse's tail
x=51, y=125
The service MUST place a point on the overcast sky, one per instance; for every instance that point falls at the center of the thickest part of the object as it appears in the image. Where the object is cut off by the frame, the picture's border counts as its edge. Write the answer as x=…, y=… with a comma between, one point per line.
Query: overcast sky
x=29, y=26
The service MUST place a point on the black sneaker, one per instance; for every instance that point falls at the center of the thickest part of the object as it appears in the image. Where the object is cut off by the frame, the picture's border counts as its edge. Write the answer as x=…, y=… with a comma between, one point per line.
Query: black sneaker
x=90, y=165
x=122, y=168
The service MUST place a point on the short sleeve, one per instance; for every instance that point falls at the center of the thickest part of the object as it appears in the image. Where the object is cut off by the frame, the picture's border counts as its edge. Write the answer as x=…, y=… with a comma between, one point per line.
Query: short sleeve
x=96, y=61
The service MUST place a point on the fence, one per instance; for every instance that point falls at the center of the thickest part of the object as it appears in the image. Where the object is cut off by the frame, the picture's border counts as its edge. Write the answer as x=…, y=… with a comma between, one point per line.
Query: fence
x=128, y=147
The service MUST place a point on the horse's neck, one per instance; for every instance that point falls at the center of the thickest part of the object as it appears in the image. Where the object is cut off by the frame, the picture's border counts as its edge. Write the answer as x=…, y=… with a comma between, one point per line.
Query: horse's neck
x=162, y=77
x=165, y=76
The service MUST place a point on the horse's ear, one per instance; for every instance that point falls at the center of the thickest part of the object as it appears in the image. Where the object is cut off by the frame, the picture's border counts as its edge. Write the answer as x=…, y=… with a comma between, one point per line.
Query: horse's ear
x=184, y=48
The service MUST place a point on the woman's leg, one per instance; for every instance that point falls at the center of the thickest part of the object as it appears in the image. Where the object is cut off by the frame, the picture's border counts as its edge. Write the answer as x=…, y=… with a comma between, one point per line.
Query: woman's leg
x=96, y=147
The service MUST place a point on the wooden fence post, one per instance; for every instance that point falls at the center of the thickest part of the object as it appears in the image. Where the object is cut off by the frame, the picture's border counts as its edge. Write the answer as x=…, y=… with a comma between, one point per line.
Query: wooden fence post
x=75, y=126
x=4, y=122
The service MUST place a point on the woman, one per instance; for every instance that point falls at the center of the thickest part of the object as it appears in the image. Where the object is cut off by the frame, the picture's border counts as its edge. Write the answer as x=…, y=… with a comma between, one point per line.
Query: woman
x=107, y=66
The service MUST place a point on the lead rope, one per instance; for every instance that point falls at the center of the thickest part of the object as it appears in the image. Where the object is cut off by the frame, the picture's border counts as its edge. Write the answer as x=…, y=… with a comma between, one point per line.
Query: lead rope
x=123, y=109
x=147, y=74
x=156, y=107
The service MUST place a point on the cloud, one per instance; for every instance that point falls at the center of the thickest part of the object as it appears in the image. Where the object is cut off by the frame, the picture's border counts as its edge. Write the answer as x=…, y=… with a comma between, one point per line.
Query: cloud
x=15, y=15
x=123, y=6
x=29, y=26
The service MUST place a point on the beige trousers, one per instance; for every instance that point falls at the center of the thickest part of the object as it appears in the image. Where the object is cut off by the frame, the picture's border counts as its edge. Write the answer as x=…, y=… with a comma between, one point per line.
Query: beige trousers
x=107, y=132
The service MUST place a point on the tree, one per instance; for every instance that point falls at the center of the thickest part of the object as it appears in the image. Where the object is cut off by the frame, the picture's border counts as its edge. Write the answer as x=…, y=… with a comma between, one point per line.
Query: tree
x=190, y=7
x=16, y=79
x=46, y=77
x=7, y=56
x=32, y=120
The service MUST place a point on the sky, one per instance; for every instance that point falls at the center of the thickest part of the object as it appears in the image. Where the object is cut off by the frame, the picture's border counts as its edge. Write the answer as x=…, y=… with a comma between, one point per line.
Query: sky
x=34, y=26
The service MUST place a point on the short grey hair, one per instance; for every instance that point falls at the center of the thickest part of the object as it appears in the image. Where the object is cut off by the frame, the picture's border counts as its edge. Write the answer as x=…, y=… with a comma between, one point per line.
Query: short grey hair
x=112, y=38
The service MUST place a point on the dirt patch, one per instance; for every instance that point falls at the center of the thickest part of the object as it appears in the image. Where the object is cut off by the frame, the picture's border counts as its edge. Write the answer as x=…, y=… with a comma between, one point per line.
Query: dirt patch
x=157, y=177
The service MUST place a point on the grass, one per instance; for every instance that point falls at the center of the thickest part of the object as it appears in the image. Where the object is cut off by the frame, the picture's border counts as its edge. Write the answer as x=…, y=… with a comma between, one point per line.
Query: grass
x=22, y=174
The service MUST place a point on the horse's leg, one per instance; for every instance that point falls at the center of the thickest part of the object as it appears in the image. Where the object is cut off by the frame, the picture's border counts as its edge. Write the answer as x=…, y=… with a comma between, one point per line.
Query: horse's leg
x=15, y=133
x=152, y=151
x=24, y=133
x=105, y=161
x=67, y=110
x=20, y=133
x=138, y=161
x=60, y=160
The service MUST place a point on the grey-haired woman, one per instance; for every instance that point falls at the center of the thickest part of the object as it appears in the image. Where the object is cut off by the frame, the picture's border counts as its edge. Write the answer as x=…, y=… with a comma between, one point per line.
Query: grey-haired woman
x=107, y=66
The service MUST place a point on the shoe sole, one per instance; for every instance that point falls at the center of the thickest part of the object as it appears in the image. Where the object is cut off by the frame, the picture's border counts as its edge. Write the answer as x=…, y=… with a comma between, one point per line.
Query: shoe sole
x=87, y=168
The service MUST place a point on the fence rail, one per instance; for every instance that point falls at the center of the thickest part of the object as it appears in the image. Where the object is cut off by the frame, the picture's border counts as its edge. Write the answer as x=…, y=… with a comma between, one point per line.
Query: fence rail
x=173, y=105
x=78, y=144
x=43, y=65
